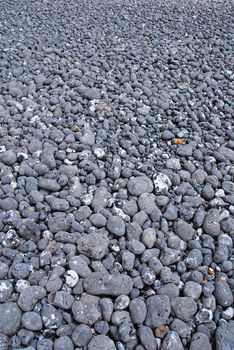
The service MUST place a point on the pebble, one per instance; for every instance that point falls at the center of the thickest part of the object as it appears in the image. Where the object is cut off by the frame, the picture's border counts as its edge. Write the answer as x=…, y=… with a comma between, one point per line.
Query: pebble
x=99, y=284
x=10, y=323
x=183, y=308
x=223, y=294
x=200, y=341
x=158, y=310
x=101, y=342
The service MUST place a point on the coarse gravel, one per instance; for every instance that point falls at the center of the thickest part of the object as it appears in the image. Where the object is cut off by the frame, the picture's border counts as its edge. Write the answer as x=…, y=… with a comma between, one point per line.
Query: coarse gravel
x=116, y=175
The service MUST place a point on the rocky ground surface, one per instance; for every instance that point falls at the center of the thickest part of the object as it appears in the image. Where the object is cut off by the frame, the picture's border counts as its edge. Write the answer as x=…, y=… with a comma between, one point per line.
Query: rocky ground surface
x=116, y=169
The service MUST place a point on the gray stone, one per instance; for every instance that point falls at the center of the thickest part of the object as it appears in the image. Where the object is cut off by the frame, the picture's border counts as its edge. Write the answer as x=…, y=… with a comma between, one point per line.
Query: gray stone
x=158, y=310
x=51, y=317
x=4, y=342
x=116, y=225
x=32, y=321
x=105, y=284
x=200, y=341
x=6, y=289
x=147, y=338
x=63, y=300
x=225, y=336
x=10, y=323
x=63, y=343
x=183, y=308
x=86, y=312
x=180, y=327
x=81, y=335
x=138, y=311
x=184, y=230
x=29, y=296
x=223, y=293
x=101, y=342
x=171, y=341
x=139, y=185
x=211, y=223
x=192, y=289
x=94, y=245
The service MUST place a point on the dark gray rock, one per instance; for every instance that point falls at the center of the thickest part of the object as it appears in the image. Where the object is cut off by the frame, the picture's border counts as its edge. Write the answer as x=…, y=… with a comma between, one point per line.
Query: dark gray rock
x=101, y=342
x=29, y=296
x=116, y=225
x=94, y=245
x=106, y=284
x=225, y=336
x=32, y=321
x=158, y=310
x=184, y=230
x=86, y=312
x=146, y=337
x=172, y=341
x=200, y=341
x=223, y=293
x=139, y=185
x=183, y=308
x=81, y=335
x=10, y=323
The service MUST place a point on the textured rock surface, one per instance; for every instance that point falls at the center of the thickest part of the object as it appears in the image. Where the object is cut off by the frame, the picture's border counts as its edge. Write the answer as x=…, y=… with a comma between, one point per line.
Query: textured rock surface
x=116, y=175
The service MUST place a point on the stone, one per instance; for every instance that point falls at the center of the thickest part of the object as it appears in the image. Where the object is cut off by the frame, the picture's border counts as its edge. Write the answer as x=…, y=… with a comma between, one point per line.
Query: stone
x=225, y=336
x=183, y=308
x=32, y=321
x=101, y=342
x=94, y=245
x=29, y=296
x=81, y=335
x=106, y=284
x=139, y=185
x=184, y=230
x=158, y=310
x=10, y=323
x=223, y=293
x=116, y=225
x=200, y=341
x=172, y=341
x=138, y=311
x=87, y=313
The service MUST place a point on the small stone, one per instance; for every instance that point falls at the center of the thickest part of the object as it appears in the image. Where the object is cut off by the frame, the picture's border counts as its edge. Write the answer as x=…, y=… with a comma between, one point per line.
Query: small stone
x=116, y=225
x=200, y=341
x=139, y=185
x=6, y=289
x=81, y=335
x=192, y=289
x=225, y=336
x=71, y=278
x=4, y=342
x=63, y=300
x=138, y=311
x=29, y=296
x=183, y=308
x=162, y=183
x=10, y=323
x=223, y=293
x=146, y=337
x=184, y=230
x=211, y=223
x=87, y=313
x=31, y=321
x=106, y=284
x=158, y=310
x=101, y=342
x=172, y=341
x=93, y=245
x=63, y=343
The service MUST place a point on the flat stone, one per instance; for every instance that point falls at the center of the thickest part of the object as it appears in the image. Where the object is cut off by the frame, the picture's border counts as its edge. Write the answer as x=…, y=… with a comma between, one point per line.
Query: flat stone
x=105, y=284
